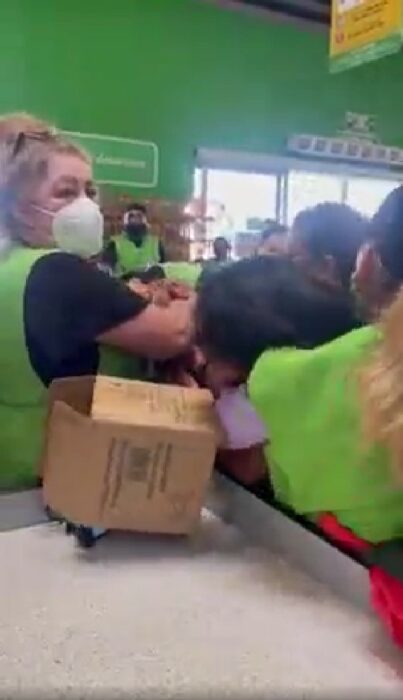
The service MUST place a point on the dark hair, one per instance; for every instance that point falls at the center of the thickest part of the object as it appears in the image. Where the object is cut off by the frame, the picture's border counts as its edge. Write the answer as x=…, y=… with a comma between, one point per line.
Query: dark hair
x=331, y=229
x=208, y=268
x=220, y=239
x=385, y=231
x=136, y=207
x=272, y=228
x=267, y=302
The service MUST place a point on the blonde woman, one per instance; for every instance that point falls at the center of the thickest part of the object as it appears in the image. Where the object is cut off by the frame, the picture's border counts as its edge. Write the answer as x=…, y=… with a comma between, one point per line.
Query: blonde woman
x=59, y=314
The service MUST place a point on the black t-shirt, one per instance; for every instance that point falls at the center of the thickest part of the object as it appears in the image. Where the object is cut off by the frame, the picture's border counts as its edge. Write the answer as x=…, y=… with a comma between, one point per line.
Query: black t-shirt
x=68, y=303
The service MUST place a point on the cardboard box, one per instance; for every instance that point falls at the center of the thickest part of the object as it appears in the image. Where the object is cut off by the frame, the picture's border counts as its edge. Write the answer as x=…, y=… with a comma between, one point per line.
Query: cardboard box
x=129, y=455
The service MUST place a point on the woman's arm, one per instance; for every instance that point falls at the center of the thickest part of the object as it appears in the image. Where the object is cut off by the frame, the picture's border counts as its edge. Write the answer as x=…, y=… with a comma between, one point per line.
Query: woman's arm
x=69, y=306
x=248, y=466
x=158, y=333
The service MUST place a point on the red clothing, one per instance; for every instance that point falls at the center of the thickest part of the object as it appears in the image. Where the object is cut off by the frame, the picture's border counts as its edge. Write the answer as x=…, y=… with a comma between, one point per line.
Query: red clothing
x=386, y=591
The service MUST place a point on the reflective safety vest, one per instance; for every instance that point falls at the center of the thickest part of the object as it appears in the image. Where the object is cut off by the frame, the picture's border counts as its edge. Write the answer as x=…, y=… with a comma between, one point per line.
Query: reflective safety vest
x=22, y=394
x=317, y=460
x=131, y=257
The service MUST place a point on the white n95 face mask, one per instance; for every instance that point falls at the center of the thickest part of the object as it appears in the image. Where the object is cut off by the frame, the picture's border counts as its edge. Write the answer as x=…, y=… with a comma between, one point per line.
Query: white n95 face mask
x=78, y=228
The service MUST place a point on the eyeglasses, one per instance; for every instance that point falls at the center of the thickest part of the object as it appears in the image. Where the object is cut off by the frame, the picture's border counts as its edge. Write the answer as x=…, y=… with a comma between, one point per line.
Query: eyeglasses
x=25, y=136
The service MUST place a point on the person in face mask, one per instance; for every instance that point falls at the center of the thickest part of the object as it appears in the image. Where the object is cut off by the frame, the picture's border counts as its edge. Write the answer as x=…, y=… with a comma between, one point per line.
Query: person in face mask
x=61, y=316
x=77, y=227
x=135, y=247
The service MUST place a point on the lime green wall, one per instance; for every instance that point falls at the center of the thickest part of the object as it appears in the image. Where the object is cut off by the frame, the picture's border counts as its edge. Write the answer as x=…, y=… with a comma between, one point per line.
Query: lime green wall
x=183, y=74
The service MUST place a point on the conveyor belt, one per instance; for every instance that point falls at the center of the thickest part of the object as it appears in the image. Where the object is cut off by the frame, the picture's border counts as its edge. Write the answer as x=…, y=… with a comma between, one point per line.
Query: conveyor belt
x=267, y=526
x=262, y=523
x=21, y=509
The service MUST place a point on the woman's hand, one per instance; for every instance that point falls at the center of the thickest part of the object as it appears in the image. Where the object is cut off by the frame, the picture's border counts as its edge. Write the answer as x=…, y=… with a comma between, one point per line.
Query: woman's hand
x=165, y=291
x=165, y=329
x=182, y=370
x=141, y=289
x=176, y=373
x=178, y=290
x=157, y=333
x=248, y=466
x=161, y=292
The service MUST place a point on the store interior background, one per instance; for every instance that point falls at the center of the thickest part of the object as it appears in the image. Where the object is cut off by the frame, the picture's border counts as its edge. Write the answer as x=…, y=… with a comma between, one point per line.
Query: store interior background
x=188, y=74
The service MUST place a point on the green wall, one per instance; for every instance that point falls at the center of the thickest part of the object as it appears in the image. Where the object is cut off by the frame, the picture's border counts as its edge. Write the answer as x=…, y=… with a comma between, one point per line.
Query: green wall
x=183, y=74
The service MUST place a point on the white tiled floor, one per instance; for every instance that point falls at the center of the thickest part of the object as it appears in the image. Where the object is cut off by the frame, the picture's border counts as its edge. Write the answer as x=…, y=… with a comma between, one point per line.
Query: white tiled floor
x=200, y=616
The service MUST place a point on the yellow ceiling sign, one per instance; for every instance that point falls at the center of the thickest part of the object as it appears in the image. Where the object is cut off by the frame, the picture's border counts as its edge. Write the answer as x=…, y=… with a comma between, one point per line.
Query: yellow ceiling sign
x=364, y=30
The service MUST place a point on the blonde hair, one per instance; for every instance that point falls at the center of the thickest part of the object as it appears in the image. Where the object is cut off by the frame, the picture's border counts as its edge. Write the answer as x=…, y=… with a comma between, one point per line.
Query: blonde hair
x=11, y=125
x=26, y=145
x=381, y=384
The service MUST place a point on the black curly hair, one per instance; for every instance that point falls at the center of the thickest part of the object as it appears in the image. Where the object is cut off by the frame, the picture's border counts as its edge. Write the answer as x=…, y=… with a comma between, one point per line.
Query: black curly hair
x=385, y=232
x=267, y=302
x=331, y=230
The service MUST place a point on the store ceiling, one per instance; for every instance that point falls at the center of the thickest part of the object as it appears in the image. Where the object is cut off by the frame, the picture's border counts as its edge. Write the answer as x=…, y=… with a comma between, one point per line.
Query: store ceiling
x=316, y=11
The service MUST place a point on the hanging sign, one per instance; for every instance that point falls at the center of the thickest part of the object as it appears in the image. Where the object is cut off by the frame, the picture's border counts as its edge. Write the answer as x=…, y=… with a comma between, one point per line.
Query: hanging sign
x=120, y=161
x=363, y=31
x=357, y=142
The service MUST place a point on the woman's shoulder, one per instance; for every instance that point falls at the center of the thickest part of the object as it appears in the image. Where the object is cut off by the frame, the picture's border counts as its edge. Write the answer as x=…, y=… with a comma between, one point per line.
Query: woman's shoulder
x=285, y=371
x=349, y=344
x=59, y=270
x=58, y=260
x=65, y=281
x=354, y=344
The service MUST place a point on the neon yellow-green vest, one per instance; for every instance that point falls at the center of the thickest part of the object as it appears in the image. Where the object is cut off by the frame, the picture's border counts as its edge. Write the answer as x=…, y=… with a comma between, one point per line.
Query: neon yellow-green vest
x=185, y=272
x=318, y=463
x=131, y=257
x=22, y=394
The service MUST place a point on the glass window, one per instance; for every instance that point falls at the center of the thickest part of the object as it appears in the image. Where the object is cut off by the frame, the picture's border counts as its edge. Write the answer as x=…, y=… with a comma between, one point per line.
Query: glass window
x=366, y=194
x=240, y=201
x=236, y=199
x=197, y=183
x=307, y=189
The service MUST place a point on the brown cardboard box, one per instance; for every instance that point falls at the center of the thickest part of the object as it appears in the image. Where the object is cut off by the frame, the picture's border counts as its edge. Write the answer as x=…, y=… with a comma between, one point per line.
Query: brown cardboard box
x=129, y=455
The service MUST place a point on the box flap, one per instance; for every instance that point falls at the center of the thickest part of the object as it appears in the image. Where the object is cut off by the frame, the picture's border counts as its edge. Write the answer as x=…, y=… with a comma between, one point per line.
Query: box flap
x=146, y=404
x=74, y=391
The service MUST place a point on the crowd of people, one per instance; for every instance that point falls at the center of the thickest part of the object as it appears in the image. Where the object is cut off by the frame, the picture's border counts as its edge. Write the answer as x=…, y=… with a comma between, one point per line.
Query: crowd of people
x=301, y=345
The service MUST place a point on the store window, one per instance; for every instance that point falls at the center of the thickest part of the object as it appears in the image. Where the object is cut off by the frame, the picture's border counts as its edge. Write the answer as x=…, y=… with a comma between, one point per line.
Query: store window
x=306, y=189
x=197, y=183
x=244, y=199
x=366, y=195
x=238, y=202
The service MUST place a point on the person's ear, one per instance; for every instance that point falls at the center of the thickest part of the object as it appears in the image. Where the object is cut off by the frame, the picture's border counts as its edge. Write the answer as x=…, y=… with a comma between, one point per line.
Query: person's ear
x=367, y=267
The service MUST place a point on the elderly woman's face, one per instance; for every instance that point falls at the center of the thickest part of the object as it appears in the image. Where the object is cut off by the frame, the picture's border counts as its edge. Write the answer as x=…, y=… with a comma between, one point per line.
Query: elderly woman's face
x=68, y=177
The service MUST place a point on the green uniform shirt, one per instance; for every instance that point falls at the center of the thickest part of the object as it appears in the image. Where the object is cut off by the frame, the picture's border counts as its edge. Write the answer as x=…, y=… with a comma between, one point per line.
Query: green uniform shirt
x=318, y=460
x=131, y=257
x=22, y=394
x=185, y=272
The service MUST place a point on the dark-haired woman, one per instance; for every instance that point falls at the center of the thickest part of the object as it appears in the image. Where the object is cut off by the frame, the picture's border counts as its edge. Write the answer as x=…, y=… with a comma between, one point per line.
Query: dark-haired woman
x=272, y=327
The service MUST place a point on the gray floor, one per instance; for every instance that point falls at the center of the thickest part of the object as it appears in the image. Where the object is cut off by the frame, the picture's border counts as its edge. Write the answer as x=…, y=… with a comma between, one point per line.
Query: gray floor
x=212, y=613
